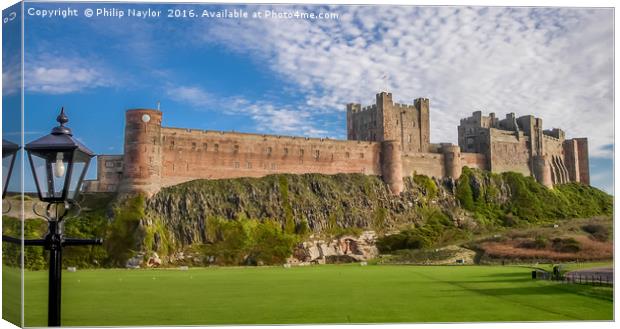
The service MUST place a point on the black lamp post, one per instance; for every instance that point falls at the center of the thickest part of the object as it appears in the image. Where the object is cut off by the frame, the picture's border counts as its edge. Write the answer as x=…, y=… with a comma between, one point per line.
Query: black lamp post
x=9, y=151
x=59, y=163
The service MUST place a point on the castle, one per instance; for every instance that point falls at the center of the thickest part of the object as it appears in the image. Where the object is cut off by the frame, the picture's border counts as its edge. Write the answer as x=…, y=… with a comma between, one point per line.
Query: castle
x=387, y=139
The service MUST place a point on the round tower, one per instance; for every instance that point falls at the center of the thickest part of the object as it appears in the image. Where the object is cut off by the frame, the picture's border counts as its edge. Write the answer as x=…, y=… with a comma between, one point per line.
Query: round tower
x=143, y=152
x=542, y=170
x=452, y=160
x=392, y=166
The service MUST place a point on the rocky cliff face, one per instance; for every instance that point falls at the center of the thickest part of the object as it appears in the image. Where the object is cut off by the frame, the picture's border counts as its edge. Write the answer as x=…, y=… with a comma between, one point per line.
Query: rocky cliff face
x=327, y=203
x=333, y=207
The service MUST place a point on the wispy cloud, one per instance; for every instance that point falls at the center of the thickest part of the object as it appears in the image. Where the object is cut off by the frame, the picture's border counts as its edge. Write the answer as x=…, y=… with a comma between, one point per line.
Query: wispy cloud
x=11, y=74
x=267, y=117
x=553, y=63
x=52, y=74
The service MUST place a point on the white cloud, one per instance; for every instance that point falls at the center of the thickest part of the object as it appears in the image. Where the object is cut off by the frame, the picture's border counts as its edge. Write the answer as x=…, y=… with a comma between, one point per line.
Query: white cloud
x=11, y=75
x=192, y=95
x=268, y=118
x=553, y=63
x=51, y=74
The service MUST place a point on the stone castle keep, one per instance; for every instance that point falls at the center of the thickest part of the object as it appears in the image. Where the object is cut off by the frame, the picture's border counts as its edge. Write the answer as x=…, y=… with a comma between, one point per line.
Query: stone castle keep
x=387, y=139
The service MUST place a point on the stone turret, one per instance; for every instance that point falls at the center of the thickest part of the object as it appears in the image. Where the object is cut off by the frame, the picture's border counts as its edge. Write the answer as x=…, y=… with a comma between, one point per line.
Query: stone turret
x=143, y=152
x=452, y=160
x=542, y=170
x=392, y=166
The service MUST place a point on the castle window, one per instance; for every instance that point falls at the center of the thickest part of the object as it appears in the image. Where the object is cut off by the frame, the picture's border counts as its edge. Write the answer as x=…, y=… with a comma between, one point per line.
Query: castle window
x=236, y=164
x=204, y=146
x=248, y=165
x=317, y=153
x=269, y=150
x=347, y=155
x=236, y=149
x=193, y=146
x=361, y=155
x=274, y=166
x=216, y=147
x=119, y=164
x=109, y=164
x=301, y=153
x=286, y=151
x=409, y=139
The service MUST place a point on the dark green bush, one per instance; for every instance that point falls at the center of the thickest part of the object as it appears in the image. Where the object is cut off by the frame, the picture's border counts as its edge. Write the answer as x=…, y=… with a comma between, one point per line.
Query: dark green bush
x=436, y=224
x=567, y=245
x=597, y=231
x=464, y=192
x=538, y=243
x=427, y=184
x=248, y=242
x=35, y=257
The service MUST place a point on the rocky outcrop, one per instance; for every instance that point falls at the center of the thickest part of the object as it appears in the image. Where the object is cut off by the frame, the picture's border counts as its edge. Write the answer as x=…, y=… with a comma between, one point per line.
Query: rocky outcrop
x=344, y=249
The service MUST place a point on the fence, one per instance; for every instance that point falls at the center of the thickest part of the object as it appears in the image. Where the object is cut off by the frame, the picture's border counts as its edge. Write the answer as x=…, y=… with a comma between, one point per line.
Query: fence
x=595, y=279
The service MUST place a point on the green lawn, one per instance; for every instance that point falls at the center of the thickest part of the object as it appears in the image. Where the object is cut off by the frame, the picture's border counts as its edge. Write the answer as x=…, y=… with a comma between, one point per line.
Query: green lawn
x=318, y=294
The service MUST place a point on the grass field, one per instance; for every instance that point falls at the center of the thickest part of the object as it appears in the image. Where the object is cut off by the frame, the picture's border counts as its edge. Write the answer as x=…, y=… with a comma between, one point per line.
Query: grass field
x=318, y=294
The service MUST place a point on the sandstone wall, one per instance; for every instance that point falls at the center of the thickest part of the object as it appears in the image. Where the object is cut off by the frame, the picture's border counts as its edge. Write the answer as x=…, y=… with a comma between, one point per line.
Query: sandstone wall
x=509, y=152
x=584, y=163
x=429, y=164
x=571, y=159
x=197, y=154
x=554, y=150
x=474, y=160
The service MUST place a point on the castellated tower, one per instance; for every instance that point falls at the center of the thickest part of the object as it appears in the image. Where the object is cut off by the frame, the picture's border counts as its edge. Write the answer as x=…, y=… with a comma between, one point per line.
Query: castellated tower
x=422, y=106
x=389, y=121
x=143, y=152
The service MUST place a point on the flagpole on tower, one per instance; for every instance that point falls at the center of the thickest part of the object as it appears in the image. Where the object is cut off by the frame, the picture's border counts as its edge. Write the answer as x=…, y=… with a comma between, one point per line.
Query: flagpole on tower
x=384, y=78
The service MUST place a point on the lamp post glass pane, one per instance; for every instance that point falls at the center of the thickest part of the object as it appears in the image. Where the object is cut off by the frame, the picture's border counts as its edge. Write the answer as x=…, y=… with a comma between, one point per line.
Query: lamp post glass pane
x=51, y=171
x=80, y=164
x=7, y=166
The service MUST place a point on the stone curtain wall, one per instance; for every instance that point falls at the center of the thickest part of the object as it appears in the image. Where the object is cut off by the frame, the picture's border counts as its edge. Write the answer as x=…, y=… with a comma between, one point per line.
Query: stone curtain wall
x=198, y=154
x=509, y=153
x=474, y=160
x=429, y=164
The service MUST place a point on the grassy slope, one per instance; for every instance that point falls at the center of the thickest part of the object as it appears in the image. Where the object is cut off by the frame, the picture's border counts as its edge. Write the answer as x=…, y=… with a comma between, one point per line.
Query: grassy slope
x=11, y=294
x=325, y=294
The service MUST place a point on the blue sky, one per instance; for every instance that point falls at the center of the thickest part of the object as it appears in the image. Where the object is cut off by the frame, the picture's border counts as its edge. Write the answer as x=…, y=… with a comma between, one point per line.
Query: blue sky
x=294, y=77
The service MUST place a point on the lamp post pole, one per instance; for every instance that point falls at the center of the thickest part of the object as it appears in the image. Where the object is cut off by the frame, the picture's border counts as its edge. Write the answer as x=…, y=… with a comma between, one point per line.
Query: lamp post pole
x=59, y=163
